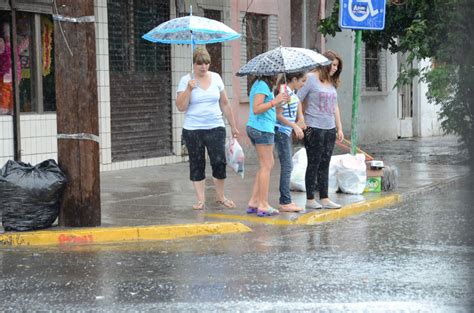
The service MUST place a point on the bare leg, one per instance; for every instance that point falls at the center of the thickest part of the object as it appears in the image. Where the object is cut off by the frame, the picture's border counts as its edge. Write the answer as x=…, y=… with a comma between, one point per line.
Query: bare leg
x=219, y=184
x=2, y=230
x=265, y=158
x=220, y=197
x=199, y=188
x=253, y=202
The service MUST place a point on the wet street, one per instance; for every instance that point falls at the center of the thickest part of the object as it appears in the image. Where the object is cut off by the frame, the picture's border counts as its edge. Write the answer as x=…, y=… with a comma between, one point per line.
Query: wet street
x=418, y=257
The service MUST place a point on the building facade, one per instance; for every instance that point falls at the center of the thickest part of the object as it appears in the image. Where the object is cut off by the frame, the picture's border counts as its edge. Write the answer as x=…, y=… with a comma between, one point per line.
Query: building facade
x=386, y=112
x=139, y=124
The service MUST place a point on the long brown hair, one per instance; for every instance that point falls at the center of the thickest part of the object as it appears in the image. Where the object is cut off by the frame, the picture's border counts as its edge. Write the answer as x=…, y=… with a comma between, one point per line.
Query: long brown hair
x=324, y=70
x=269, y=80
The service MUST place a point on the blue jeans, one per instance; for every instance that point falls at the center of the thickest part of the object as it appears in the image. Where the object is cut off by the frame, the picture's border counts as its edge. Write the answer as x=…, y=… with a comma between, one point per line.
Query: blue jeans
x=284, y=148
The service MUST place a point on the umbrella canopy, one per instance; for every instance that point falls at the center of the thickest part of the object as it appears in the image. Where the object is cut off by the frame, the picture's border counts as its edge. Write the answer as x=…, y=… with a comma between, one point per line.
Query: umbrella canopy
x=191, y=30
x=283, y=60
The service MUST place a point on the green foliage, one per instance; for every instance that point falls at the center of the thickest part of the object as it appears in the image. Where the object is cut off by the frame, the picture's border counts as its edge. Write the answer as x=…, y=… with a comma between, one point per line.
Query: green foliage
x=440, y=30
x=330, y=25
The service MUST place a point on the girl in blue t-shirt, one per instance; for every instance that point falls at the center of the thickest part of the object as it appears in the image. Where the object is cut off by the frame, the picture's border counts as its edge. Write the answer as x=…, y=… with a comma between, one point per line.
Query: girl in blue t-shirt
x=289, y=119
x=261, y=130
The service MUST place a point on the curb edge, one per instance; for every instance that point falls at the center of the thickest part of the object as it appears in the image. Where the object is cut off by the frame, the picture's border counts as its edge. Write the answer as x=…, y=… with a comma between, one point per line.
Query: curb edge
x=118, y=234
x=348, y=210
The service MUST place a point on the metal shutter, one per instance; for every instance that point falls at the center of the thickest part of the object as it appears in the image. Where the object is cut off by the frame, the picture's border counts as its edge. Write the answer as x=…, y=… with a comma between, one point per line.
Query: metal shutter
x=35, y=6
x=4, y=5
x=140, y=81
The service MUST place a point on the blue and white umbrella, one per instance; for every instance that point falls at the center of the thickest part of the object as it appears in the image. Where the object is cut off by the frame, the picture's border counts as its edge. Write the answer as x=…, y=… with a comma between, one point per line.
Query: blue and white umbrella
x=191, y=30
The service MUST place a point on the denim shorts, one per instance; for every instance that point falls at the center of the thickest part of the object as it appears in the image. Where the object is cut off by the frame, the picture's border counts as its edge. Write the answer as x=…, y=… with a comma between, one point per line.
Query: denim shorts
x=258, y=137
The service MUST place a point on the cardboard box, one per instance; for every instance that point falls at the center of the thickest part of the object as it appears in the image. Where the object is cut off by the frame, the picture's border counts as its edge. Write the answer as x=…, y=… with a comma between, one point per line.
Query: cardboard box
x=374, y=173
x=371, y=172
x=374, y=184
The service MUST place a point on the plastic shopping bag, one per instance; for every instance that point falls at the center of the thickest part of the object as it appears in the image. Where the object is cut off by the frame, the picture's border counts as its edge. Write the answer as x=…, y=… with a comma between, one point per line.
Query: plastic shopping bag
x=299, y=170
x=334, y=166
x=234, y=155
x=351, y=174
x=300, y=161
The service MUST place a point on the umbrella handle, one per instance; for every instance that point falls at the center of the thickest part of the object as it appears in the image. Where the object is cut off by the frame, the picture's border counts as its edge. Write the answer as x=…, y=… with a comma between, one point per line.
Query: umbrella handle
x=192, y=53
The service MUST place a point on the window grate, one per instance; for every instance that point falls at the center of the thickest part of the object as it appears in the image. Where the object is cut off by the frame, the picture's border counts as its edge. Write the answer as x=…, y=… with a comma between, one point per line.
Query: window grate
x=140, y=81
x=215, y=49
x=257, y=36
x=128, y=21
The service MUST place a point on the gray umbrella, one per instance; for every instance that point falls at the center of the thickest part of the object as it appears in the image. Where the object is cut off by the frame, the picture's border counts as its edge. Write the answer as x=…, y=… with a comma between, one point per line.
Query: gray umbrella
x=283, y=60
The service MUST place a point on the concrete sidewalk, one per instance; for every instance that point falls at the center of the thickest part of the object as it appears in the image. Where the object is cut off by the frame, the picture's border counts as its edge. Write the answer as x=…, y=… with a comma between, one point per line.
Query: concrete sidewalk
x=162, y=196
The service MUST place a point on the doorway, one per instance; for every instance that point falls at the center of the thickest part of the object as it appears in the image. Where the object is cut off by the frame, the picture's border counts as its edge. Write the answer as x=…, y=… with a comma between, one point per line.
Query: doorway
x=405, y=103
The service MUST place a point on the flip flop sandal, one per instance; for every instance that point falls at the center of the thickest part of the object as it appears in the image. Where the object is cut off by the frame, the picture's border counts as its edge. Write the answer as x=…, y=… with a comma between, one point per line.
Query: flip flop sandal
x=252, y=210
x=227, y=203
x=199, y=206
x=269, y=212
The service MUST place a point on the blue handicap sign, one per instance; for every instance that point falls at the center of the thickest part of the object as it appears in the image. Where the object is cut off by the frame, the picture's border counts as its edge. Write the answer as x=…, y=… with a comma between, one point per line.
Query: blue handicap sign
x=362, y=14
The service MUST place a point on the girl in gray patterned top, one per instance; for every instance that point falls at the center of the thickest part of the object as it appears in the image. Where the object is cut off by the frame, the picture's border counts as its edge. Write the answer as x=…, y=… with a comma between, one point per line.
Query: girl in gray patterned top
x=323, y=121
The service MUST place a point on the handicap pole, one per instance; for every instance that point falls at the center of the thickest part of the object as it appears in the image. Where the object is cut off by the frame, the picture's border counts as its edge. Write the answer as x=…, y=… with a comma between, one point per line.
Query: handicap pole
x=356, y=92
x=358, y=15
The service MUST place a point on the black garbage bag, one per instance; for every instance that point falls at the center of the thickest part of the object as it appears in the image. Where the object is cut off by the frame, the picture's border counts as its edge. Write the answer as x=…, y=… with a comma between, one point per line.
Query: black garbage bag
x=29, y=195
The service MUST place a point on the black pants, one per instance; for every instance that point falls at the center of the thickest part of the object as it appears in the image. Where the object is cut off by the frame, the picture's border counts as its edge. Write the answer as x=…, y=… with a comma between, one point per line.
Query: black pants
x=319, y=144
x=197, y=141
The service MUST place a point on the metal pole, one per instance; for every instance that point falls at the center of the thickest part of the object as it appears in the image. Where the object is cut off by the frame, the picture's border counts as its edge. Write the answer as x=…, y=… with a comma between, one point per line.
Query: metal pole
x=16, y=85
x=356, y=92
x=192, y=44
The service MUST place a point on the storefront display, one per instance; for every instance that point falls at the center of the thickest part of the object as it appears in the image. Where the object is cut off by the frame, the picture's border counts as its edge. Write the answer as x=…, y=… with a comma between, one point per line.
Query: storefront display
x=6, y=88
x=28, y=72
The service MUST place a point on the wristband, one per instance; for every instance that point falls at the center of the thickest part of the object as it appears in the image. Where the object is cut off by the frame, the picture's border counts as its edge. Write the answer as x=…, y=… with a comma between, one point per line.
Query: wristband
x=272, y=103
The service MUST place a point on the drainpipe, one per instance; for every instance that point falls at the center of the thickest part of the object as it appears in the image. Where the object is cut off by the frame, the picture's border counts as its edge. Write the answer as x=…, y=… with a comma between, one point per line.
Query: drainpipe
x=16, y=85
x=304, y=22
x=322, y=15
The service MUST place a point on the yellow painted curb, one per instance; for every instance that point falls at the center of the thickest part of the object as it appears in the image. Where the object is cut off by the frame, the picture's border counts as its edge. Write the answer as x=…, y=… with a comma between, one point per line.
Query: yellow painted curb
x=118, y=234
x=252, y=218
x=317, y=216
x=348, y=210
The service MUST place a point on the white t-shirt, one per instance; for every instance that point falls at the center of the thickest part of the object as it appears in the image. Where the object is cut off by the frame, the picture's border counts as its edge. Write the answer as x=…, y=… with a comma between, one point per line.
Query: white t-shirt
x=203, y=110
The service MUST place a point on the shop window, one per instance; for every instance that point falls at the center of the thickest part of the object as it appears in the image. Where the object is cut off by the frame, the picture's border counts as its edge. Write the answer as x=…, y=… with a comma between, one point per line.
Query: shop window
x=47, y=68
x=35, y=68
x=6, y=85
x=25, y=22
